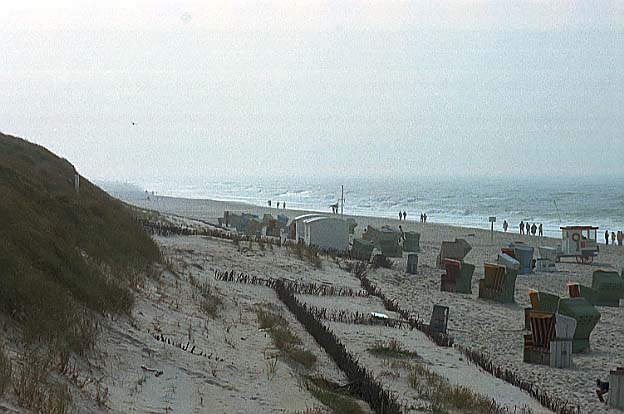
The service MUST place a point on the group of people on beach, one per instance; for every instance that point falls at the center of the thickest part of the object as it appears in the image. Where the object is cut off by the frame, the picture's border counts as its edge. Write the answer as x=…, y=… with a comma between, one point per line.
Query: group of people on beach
x=530, y=229
x=403, y=216
x=278, y=204
x=615, y=238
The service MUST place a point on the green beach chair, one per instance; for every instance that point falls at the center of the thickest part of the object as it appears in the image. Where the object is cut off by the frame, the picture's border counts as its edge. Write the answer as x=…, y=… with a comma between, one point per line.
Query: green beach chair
x=362, y=249
x=456, y=250
x=607, y=289
x=579, y=308
x=586, y=315
x=411, y=242
x=458, y=277
x=390, y=247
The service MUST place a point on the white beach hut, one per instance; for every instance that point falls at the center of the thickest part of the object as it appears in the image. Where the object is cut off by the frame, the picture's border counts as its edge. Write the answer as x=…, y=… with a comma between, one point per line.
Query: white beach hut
x=298, y=233
x=326, y=233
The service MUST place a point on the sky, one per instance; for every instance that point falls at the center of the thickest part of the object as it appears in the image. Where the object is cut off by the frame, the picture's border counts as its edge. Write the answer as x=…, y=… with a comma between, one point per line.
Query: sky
x=132, y=90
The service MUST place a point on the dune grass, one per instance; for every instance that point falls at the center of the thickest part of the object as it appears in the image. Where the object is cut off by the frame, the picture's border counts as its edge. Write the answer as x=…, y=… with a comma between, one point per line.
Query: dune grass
x=63, y=256
x=445, y=397
x=332, y=395
x=339, y=404
x=36, y=390
x=6, y=370
x=392, y=348
x=283, y=337
x=211, y=302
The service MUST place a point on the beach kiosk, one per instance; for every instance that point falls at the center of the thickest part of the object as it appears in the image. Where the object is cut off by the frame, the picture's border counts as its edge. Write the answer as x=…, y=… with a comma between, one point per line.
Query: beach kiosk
x=578, y=242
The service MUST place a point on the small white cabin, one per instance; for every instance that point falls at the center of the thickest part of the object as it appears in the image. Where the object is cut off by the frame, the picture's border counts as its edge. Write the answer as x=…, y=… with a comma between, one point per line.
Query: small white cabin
x=326, y=233
x=298, y=227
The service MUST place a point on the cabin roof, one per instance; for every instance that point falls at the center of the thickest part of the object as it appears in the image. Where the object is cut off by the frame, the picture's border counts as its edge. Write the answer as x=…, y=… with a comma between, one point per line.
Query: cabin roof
x=320, y=218
x=579, y=228
x=306, y=216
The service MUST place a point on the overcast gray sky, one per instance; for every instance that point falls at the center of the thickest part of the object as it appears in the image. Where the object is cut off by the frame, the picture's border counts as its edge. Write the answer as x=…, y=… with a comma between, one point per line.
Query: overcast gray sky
x=378, y=87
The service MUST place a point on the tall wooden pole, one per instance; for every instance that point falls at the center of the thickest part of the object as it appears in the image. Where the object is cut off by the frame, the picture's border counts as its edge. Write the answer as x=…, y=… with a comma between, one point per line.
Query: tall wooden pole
x=342, y=201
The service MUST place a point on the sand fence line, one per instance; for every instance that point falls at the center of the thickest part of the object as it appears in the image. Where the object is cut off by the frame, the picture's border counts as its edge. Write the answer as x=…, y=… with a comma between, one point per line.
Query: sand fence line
x=300, y=288
x=363, y=382
x=552, y=403
x=478, y=358
x=290, y=288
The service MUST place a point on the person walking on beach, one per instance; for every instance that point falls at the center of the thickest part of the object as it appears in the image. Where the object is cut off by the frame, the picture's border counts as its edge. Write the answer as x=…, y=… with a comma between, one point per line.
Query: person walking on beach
x=528, y=228
x=613, y=238
x=533, y=229
x=400, y=215
x=283, y=204
x=404, y=215
x=521, y=226
x=269, y=203
x=421, y=217
x=541, y=230
x=607, y=237
x=505, y=225
x=278, y=204
x=620, y=236
x=424, y=217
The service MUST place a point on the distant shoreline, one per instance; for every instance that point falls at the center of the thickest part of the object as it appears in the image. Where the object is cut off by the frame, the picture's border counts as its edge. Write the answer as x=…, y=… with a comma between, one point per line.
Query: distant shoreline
x=464, y=203
x=211, y=210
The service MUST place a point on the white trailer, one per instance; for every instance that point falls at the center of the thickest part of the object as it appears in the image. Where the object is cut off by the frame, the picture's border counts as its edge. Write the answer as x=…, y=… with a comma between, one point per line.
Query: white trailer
x=579, y=242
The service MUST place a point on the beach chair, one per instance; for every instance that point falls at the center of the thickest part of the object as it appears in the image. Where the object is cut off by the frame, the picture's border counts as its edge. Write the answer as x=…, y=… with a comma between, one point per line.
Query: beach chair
x=609, y=287
x=362, y=249
x=547, y=260
x=537, y=343
x=411, y=243
x=252, y=227
x=439, y=318
x=577, y=307
x=386, y=240
x=508, y=261
x=550, y=340
x=616, y=388
x=456, y=250
x=586, y=316
x=458, y=277
x=540, y=302
x=524, y=255
x=371, y=234
x=498, y=284
x=390, y=246
x=412, y=264
x=606, y=290
x=509, y=252
x=548, y=253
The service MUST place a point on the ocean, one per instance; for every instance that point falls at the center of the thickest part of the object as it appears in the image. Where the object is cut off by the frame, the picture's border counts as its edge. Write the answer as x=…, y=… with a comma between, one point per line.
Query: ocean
x=467, y=202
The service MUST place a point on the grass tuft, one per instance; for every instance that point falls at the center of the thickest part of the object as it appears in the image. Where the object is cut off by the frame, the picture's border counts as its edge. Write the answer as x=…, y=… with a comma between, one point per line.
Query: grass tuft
x=445, y=397
x=211, y=302
x=34, y=388
x=283, y=337
x=392, y=348
x=326, y=393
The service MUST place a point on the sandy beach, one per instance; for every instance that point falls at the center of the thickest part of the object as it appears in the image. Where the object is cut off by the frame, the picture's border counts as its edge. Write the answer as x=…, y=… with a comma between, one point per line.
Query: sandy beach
x=493, y=328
